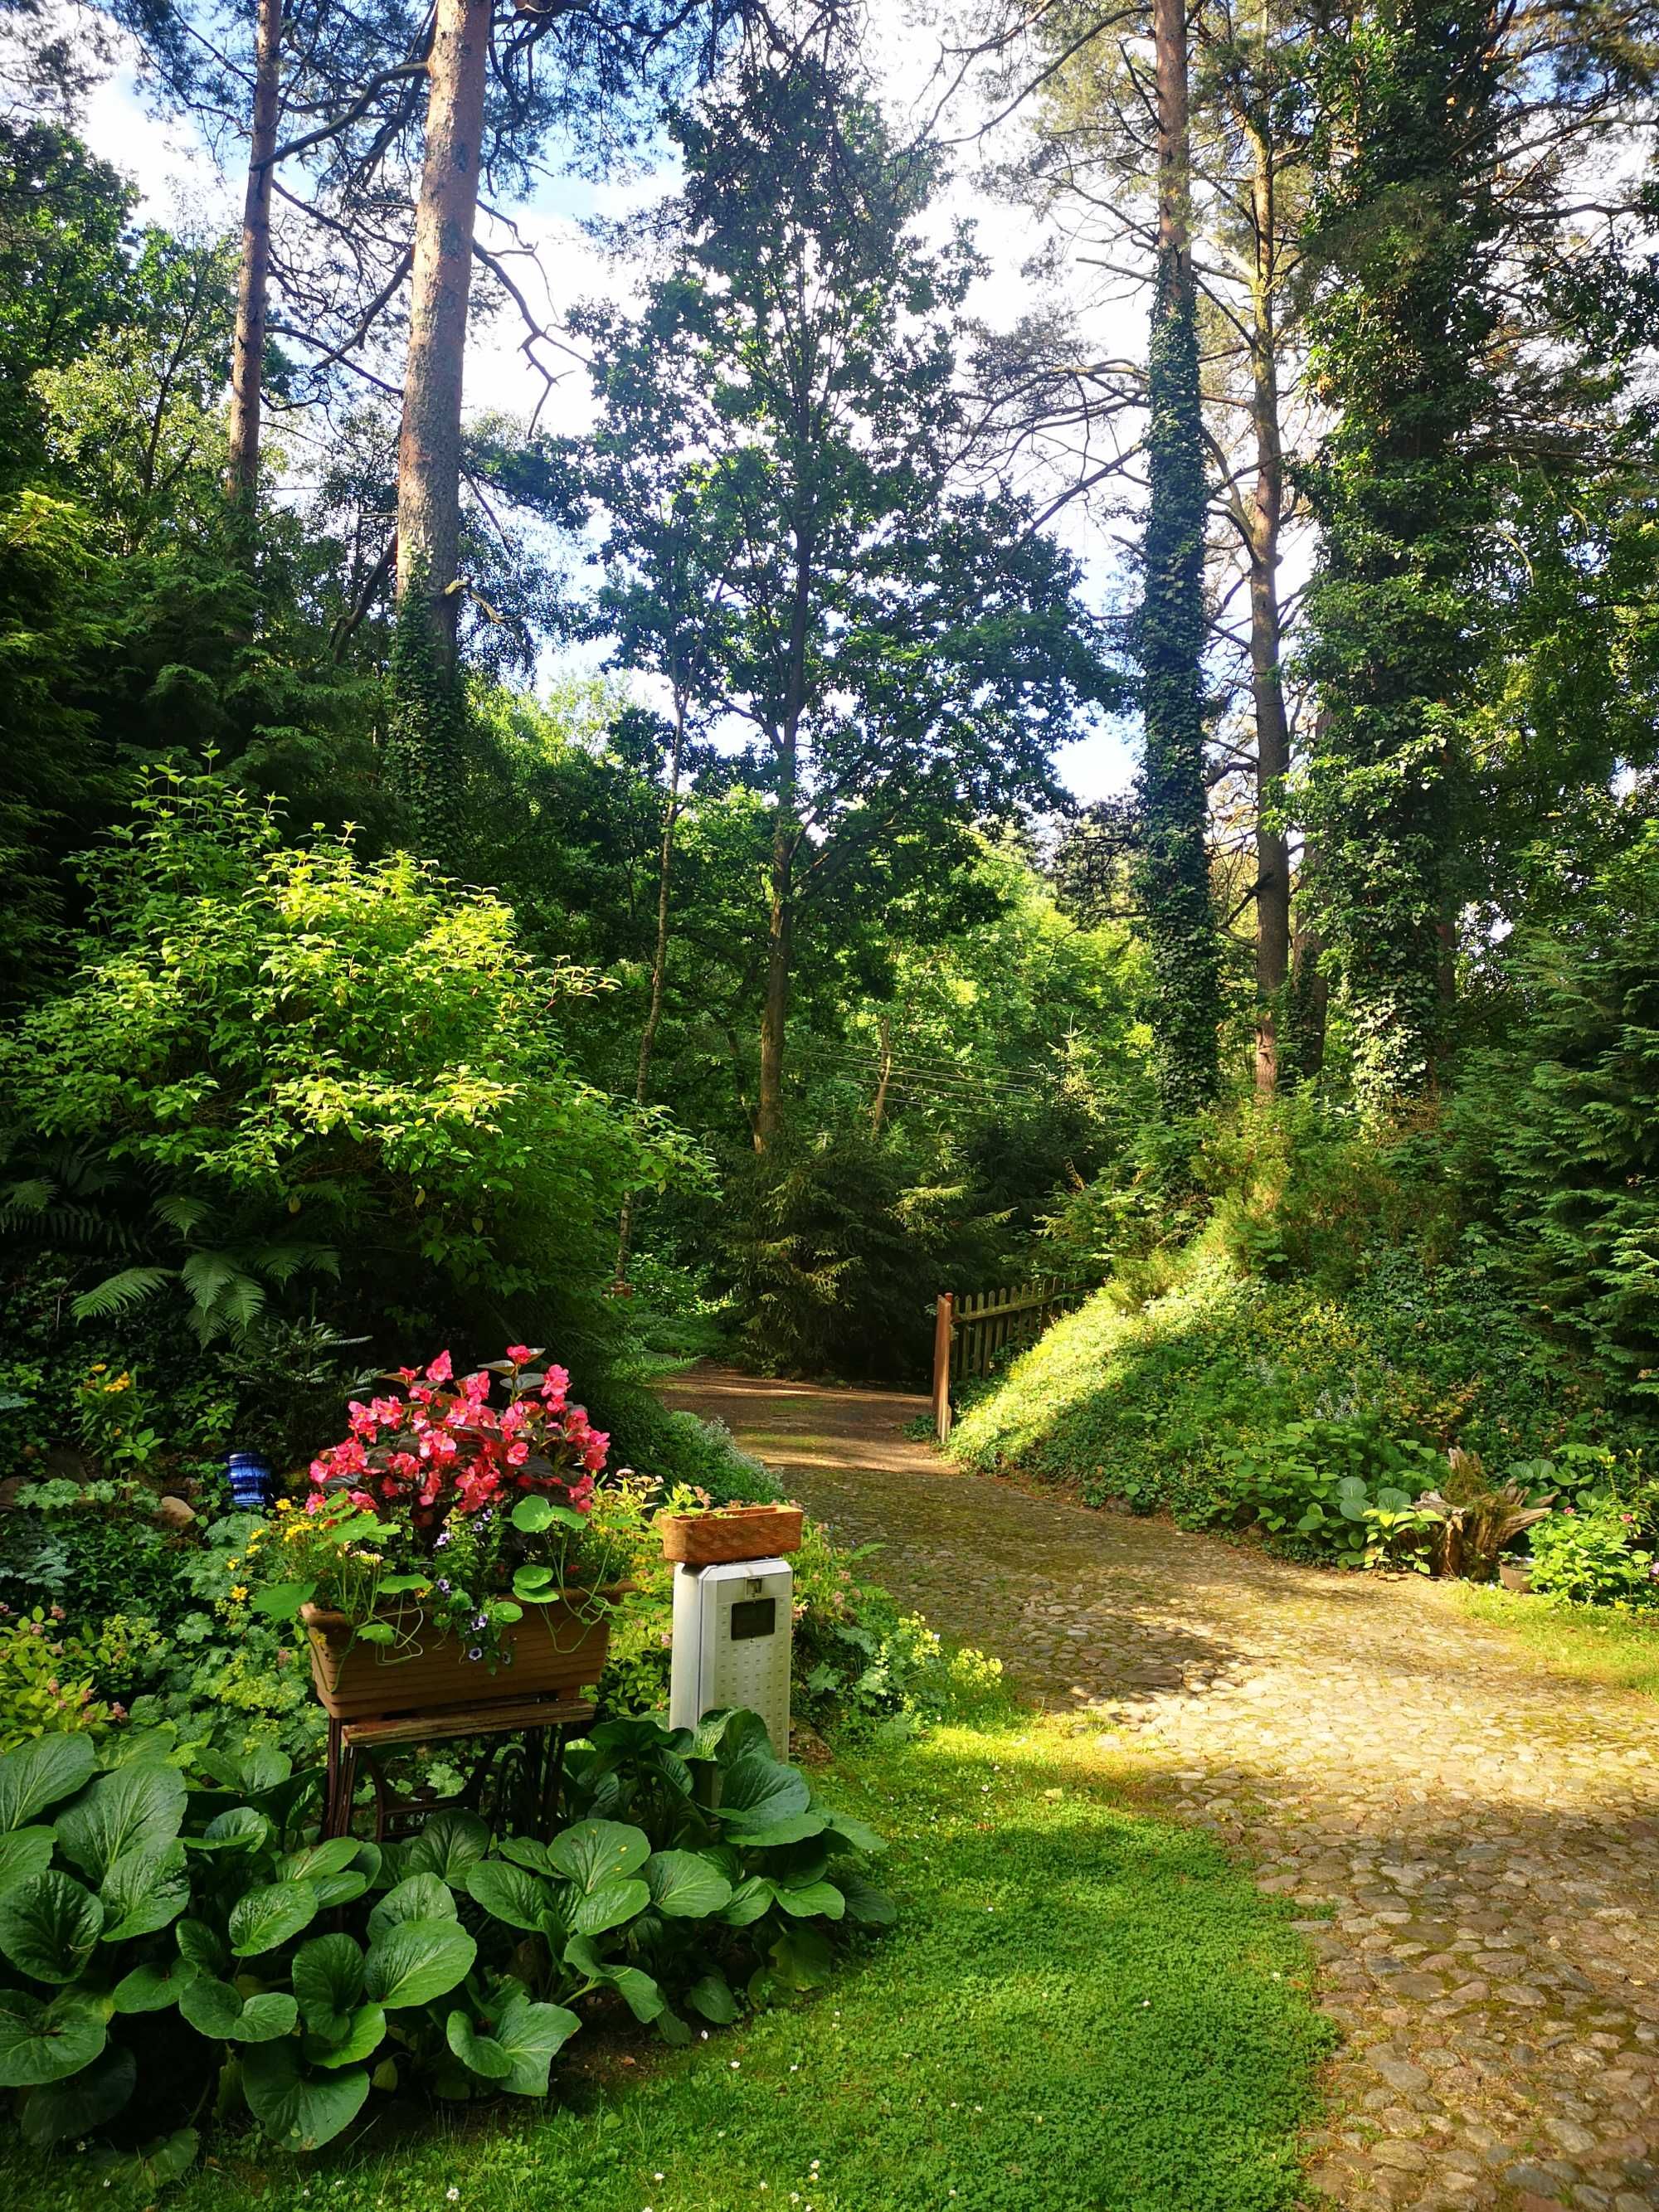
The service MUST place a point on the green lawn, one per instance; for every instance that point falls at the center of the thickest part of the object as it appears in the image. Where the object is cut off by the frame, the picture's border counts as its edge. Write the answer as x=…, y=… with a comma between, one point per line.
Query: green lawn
x=1591, y=1643
x=1081, y=2008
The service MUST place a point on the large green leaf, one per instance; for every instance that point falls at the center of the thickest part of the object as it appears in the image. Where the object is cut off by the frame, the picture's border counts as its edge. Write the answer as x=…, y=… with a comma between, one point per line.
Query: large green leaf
x=213, y=2008
x=365, y=2034
x=685, y=1887
x=480, y=2054
x=532, y=2035
x=711, y=1997
x=49, y=1926
x=420, y=1897
x=139, y=1808
x=867, y=1901
x=24, y=1852
x=810, y=1901
x=219, y=2010
x=41, y=2042
x=608, y=1904
x=802, y=1958
x=83, y=2102
x=317, y=1860
x=600, y=1850
x=859, y=1834
x=266, y=1917
x=152, y=1988
x=328, y=1981
x=264, y=2017
x=448, y=1846
x=643, y=1996
x=416, y=1961
x=239, y=1828
x=200, y=1945
x=508, y=1893
x=144, y=1891
x=301, y=2109
x=41, y=1774
x=749, y=1900
x=759, y=1835
x=757, y=1790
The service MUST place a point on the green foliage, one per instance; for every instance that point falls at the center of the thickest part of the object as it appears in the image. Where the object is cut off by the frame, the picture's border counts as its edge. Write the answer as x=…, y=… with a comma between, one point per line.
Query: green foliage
x=164, y=1933
x=1403, y=219
x=1322, y=1483
x=1599, y=1557
x=1172, y=868
x=1556, y=1131
x=320, y=1077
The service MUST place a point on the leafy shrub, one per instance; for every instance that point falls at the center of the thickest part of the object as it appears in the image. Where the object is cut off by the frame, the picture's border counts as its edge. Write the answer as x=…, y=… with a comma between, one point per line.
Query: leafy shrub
x=321, y=1080
x=1595, y=1557
x=95, y=1547
x=166, y=1934
x=56, y=1680
x=1322, y=1482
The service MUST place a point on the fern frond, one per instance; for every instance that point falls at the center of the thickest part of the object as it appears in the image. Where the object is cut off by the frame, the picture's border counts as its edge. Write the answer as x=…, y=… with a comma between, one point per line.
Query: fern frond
x=120, y=1293
x=189, y=1215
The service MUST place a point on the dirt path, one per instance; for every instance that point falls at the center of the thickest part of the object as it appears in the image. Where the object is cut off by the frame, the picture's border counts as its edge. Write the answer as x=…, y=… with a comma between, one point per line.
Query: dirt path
x=1486, y=1832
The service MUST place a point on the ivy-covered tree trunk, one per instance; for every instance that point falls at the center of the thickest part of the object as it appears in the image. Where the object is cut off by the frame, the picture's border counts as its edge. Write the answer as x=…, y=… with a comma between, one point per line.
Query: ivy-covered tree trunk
x=1405, y=218
x=658, y=964
x=1273, y=741
x=1173, y=869
x=427, y=711
x=254, y=274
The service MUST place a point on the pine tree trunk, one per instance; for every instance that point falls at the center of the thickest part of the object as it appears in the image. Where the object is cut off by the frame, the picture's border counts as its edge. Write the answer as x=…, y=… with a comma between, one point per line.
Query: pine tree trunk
x=429, y=443
x=1174, y=868
x=658, y=970
x=1273, y=757
x=253, y=275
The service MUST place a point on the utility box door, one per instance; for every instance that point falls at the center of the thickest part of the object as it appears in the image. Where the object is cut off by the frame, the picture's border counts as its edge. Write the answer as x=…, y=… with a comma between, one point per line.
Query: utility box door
x=733, y=1627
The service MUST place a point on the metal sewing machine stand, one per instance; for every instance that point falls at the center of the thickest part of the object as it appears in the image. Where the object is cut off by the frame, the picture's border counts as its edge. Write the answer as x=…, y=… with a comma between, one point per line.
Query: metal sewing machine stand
x=526, y=1800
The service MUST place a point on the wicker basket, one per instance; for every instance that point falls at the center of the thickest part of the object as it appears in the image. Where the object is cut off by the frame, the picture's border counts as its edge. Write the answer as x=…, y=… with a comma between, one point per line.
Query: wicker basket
x=556, y=1650
x=730, y=1532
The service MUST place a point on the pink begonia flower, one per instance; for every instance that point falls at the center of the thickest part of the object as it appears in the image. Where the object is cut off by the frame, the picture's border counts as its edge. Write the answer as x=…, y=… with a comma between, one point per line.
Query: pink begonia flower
x=519, y=1354
x=593, y=1456
x=441, y=1369
x=556, y=1387
x=517, y=1453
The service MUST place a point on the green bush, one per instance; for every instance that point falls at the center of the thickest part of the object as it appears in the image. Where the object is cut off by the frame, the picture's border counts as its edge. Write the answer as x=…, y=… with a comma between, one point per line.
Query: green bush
x=165, y=1918
x=1322, y=1485
x=1601, y=1557
x=317, y=1087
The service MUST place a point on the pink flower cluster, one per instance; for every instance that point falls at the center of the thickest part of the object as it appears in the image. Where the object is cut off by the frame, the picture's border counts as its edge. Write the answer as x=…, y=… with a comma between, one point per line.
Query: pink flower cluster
x=438, y=1450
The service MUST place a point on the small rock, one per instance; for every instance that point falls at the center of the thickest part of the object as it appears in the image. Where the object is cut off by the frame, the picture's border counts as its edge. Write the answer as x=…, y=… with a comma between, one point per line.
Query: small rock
x=175, y=1513
x=1399, y=2074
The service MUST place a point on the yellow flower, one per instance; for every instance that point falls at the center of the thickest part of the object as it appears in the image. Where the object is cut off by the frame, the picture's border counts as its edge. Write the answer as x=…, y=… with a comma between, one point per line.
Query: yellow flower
x=293, y=1528
x=238, y=1589
x=285, y=1505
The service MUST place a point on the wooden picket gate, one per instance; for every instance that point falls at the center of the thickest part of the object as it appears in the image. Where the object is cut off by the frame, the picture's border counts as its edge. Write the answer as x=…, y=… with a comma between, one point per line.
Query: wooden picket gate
x=970, y=1331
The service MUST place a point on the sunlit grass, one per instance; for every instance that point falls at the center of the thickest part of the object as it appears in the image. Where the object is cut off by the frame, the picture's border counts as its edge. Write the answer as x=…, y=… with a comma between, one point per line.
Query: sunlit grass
x=1081, y=2008
x=1592, y=1643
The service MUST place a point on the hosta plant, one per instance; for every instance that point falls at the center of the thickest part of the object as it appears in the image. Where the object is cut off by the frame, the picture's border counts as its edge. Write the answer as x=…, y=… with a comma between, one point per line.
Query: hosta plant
x=178, y=1941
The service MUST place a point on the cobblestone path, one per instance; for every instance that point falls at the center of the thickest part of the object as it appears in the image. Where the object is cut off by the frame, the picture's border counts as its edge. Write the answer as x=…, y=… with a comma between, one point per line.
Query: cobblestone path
x=1486, y=1831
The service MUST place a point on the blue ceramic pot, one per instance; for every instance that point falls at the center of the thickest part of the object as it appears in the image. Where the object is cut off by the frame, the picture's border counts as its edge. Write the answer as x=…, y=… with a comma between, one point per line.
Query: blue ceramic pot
x=253, y=1486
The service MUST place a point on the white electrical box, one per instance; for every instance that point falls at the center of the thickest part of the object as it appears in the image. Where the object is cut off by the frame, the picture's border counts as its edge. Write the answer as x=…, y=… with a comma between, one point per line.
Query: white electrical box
x=733, y=1627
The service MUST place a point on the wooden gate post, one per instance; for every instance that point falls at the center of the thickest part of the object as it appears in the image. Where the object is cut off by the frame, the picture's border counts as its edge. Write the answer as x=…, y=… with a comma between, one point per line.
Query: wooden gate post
x=944, y=1327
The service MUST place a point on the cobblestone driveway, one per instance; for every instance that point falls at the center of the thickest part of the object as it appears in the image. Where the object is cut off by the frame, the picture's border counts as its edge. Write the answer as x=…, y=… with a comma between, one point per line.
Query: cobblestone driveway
x=1487, y=1831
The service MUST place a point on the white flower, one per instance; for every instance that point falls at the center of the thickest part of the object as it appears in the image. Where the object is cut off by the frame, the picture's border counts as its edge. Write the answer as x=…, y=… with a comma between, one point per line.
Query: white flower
x=452, y=2194
x=733, y=2064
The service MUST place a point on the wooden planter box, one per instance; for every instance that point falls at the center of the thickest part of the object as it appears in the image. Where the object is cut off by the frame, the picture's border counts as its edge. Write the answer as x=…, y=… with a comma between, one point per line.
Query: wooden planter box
x=730, y=1532
x=557, y=1650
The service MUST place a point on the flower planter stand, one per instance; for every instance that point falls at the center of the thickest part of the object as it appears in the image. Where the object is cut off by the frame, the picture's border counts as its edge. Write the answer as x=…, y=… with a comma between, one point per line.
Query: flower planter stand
x=545, y=1726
